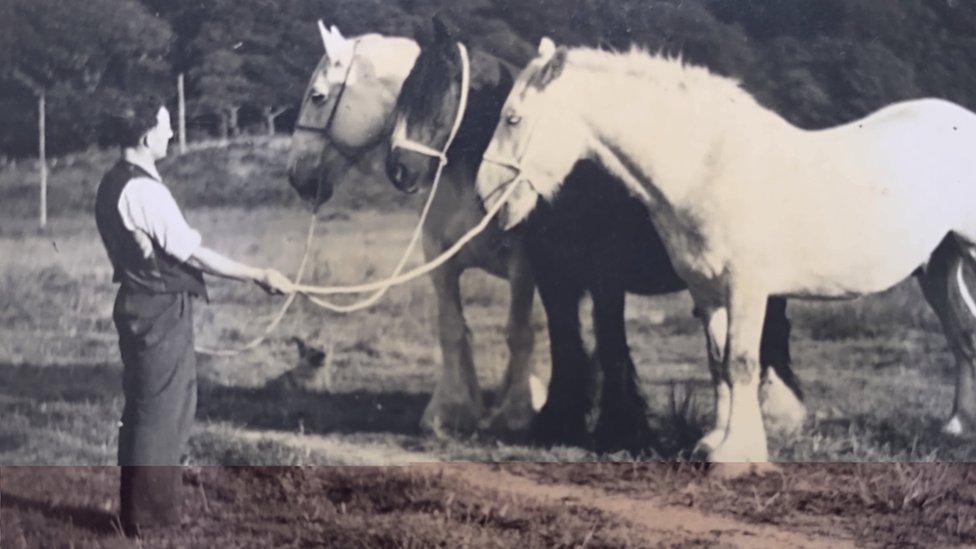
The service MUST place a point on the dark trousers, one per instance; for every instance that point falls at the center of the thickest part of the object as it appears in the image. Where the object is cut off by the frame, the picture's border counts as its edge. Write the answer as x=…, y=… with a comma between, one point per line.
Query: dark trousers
x=159, y=380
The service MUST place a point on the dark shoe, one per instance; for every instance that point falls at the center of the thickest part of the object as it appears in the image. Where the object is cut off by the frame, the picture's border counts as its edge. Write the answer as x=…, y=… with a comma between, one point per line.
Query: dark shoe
x=150, y=497
x=137, y=531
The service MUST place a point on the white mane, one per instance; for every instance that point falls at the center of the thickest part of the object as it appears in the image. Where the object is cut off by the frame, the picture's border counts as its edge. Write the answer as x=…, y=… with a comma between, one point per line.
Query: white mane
x=640, y=62
x=666, y=75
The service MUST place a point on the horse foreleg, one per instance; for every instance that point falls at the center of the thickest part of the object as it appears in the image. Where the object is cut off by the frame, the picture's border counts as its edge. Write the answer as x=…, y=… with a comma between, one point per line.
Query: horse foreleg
x=780, y=394
x=456, y=403
x=745, y=439
x=623, y=409
x=715, y=322
x=562, y=419
x=522, y=393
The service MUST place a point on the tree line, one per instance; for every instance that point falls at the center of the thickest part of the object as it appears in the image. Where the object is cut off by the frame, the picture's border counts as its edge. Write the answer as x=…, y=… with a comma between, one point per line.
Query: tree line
x=246, y=62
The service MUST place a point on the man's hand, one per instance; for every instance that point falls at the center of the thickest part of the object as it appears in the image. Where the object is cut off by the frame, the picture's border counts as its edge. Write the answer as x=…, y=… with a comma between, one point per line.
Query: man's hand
x=274, y=282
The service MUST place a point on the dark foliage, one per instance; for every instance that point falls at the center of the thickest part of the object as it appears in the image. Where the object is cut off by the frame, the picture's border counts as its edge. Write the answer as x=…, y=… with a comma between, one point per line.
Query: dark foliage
x=817, y=63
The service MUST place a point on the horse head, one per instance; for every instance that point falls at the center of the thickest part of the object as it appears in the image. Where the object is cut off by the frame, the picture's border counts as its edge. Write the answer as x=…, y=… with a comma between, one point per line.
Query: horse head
x=535, y=144
x=427, y=109
x=346, y=108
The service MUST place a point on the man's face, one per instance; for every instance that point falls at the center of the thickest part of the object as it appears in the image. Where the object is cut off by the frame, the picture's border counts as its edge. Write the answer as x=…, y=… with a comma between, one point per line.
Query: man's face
x=157, y=139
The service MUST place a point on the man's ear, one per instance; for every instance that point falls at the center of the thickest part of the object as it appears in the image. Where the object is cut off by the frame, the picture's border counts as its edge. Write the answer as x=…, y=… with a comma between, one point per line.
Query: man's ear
x=551, y=70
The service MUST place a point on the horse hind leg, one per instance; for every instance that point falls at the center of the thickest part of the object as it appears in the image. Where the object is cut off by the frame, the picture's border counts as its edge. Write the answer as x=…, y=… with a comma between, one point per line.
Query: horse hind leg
x=943, y=284
x=780, y=394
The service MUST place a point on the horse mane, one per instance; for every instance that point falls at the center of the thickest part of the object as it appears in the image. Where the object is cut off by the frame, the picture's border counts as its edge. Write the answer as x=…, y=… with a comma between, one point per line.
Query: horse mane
x=491, y=80
x=659, y=68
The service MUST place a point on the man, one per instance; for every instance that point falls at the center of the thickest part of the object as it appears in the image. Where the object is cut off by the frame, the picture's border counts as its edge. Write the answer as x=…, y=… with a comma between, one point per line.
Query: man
x=159, y=261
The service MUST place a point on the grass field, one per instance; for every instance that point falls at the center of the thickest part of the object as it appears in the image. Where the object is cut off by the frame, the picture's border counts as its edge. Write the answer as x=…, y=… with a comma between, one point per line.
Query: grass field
x=878, y=377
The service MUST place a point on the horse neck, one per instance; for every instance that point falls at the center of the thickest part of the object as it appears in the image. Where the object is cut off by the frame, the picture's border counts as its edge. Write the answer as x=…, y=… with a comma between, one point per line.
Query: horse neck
x=491, y=81
x=662, y=139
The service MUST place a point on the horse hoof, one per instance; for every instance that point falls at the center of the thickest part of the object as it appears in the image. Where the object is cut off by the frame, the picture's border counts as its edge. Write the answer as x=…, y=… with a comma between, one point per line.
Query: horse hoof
x=953, y=427
x=783, y=413
x=547, y=430
x=619, y=429
x=508, y=423
x=734, y=470
x=708, y=443
x=445, y=421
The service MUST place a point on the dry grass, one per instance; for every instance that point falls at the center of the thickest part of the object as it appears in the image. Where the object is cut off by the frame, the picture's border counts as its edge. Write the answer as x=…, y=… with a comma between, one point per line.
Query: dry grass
x=876, y=371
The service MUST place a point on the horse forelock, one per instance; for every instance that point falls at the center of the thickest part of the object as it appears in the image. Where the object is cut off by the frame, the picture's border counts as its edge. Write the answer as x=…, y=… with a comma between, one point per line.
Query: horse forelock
x=430, y=81
x=391, y=56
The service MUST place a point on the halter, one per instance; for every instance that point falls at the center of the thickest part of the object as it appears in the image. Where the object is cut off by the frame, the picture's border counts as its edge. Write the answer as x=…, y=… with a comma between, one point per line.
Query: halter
x=401, y=141
x=513, y=163
x=379, y=288
x=325, y=129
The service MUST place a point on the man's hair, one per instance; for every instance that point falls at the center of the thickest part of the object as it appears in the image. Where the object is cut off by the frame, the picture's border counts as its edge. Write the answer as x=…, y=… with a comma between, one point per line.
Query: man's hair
x=134, y=117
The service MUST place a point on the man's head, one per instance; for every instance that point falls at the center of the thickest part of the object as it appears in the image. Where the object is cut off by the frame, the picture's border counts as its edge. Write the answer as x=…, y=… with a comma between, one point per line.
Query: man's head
x=144, y=124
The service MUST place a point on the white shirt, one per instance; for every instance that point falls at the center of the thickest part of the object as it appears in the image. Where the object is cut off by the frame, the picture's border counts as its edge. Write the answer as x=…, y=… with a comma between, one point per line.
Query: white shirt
x=149, y=210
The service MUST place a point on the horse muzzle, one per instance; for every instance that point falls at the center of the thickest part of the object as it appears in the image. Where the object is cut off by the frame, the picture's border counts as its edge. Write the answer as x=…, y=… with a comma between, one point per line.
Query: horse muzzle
x=403, y=177
x=311, y=185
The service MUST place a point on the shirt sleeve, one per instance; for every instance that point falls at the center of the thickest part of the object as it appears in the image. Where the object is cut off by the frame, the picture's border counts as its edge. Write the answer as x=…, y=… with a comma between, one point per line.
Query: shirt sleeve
x=148, y=207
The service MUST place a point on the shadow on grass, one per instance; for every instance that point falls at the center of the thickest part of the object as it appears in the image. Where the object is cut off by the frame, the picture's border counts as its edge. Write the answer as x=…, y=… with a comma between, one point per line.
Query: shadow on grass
x=24, y=387
x=72, y=383
x=313, y=412
x=88, y=518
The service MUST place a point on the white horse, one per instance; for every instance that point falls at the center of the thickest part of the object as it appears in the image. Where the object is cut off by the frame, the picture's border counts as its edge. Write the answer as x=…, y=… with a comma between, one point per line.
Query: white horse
x=750, y=206
x=344, y=122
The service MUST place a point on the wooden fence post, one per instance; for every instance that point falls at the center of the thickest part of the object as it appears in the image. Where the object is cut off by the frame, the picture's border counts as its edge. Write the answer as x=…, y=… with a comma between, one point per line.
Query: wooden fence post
x=182, y=112
x=42, y=157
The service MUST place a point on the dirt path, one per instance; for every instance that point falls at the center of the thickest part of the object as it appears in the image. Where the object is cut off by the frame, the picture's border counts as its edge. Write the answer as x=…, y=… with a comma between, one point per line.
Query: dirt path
x=661, y=522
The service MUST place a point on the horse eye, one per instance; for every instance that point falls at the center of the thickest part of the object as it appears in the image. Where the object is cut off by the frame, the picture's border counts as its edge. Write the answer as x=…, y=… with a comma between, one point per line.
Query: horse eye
x=513, y=119
x=318, y=98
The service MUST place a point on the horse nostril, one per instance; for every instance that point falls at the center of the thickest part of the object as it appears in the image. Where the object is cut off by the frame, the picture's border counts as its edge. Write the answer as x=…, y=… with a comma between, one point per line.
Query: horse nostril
x=401, y=172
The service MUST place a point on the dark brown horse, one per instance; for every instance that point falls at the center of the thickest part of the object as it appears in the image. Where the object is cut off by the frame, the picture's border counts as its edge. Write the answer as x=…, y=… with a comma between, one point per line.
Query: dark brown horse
x=595, y=239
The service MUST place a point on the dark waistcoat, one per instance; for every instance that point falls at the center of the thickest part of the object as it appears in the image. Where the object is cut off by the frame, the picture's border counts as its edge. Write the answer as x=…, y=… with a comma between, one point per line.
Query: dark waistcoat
x=156, y=274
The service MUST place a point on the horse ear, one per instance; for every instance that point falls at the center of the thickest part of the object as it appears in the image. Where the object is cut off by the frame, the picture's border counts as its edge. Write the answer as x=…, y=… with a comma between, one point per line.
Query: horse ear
x=552, y=69
x=336, y=34
x=442, y=30
x=326, y=36
x=546, y=47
